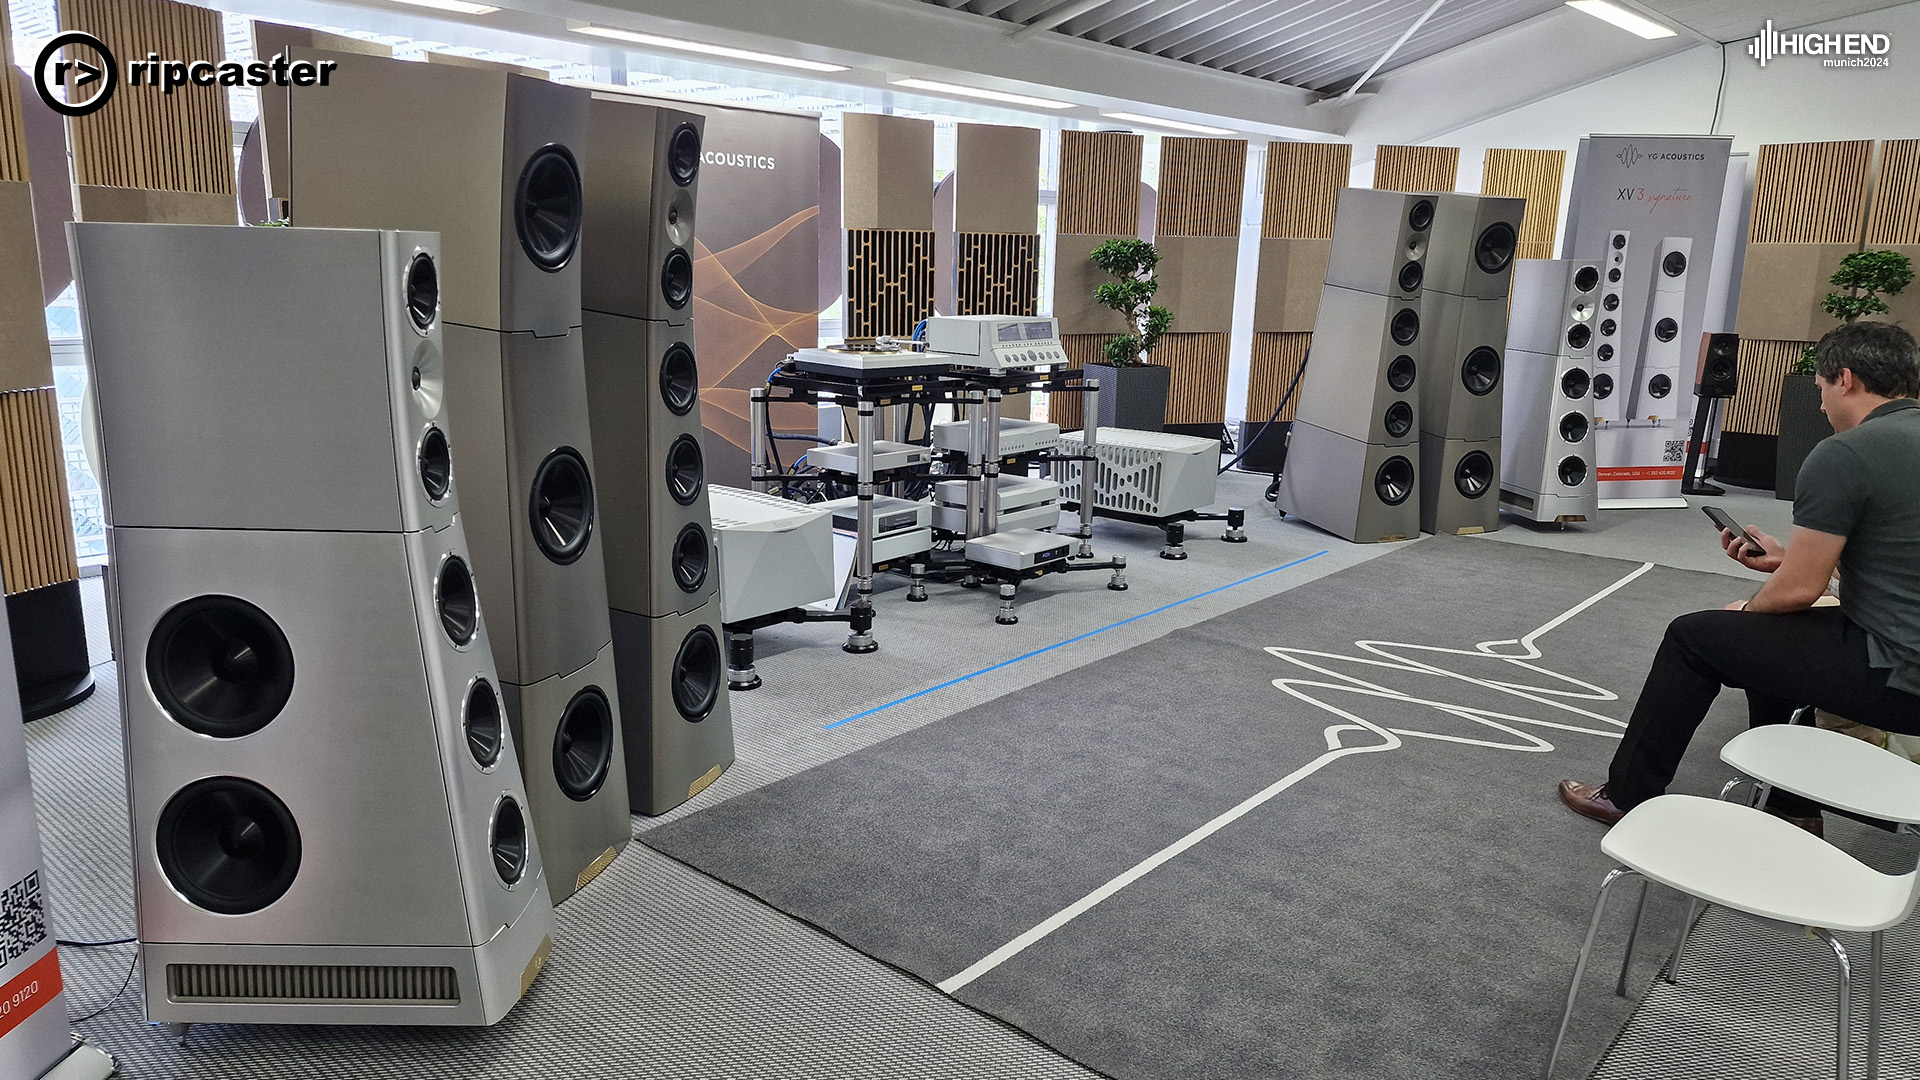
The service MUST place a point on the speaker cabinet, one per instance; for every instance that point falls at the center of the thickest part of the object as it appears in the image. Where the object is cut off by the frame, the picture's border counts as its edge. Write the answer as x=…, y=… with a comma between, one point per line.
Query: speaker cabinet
x=1362, y=377
x=1461, y=394
x=672, y=674
x=568, y=731
x=1380, y=242
x=1612, y=357
x=1474, y=241
x=641, y=182
x=1657, y=389
x=1718, y=373
x=1461, y=490
x=1555, y=304
x=1547, y=462
x=1356, y=490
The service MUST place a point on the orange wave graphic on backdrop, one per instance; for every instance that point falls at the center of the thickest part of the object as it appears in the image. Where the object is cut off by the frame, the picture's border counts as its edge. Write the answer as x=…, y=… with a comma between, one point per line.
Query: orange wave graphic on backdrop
x=733, y=325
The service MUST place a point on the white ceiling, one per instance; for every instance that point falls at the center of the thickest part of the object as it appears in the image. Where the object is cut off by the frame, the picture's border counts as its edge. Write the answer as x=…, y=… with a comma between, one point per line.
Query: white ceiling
x=1734, y=20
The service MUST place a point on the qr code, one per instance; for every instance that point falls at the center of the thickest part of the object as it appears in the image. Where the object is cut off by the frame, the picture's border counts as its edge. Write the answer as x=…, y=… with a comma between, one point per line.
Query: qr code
x=1676, y=450
x=23, y=918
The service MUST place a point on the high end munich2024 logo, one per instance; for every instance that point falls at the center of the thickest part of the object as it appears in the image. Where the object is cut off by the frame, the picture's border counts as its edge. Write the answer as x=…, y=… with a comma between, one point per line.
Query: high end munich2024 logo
x=1835, y=50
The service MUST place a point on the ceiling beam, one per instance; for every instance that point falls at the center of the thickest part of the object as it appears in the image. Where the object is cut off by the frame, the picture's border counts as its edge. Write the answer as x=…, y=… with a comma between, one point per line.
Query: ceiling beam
x=1394, y=48
x=1055, y=17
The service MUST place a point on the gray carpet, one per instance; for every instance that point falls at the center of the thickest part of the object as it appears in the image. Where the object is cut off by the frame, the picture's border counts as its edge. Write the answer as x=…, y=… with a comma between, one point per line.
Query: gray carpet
x=1409, y=912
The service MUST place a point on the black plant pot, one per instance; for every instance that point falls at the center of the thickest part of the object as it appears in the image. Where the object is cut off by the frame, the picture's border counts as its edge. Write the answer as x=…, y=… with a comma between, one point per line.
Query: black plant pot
x=1802, y=426
x=1131, y=397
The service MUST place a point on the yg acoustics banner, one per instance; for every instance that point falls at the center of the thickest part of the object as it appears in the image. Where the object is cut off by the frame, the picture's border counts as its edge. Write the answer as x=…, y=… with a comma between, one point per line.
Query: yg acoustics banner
x=1664, y=193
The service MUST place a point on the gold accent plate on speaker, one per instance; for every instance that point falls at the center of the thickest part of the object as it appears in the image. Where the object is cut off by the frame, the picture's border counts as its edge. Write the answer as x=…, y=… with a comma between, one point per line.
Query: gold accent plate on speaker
x=595, y=867
x=532, y=970
x=706, y=781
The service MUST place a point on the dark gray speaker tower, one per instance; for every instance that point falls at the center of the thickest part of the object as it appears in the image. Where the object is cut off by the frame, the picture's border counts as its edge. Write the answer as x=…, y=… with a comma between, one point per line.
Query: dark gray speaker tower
x=1547, y=467
x=329, y=821
x=493, y=162
x=642, y=181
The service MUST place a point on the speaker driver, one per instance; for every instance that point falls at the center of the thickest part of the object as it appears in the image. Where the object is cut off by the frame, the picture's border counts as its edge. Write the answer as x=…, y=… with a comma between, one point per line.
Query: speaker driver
x=458, y=605
x=1572, y=471
x=696, y=674
x=1666, y=329
x=228, y=845
x=1480, y=371
x=1602, y=387
x=1399, y=419
x=436, y=465
x=680, y=219
x=676, y=278
x=1611, y=302
x=547, y=207
x=1619, y=241
x=1607, y=327
x=583, y=745
x=1674, y=264
x=683, y=154
x=1573, y=427
x=1574, y=384
x=1393, y=481
x=679, y=379
x=220, y=666
x=423, y=292
x=1473, y=477
x=1400, y=373
x=508, y=839
x=1585, y=278
x=1659, y=386
x=1421, y=216
x=562, y=506
x=690, y=555
x=1613, y=274
x=1604, y=352
x=1720, y=369
x=1410, y=277
x=480, y=720
x=686, y=470
x=1494, y=250
x=1579, y=336
x=1405, y=326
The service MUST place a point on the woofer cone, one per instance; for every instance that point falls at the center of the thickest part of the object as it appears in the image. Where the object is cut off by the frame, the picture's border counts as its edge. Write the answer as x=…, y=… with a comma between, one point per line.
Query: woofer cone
x=480, y=720
x=1602, y=387
x=458, y=604
x=436, y=465
x=696, y=674
x=423, y=292
x=683, y=154
x=1420, y=215
x=1573, y=427
x=1674, y=264
x=1579, y=336
x=583, y=745
x=1611, y=301
x=1411, y=275
x=1473, y=476
x=547, y=207
x=1393, y=480
x=1405, y=326
x=561, y=510
x=1400, y=373
x=1399, y=419
x=1574, y=384
x=1720, y=369
x=686, y=470
x=1659, y=386
x=1585, y=278
x=1573, y=471
x=228, y=845
x=1493, y=251
x=679, y=379
x=1480, y=371
x=1666, y=329
x=507, y=838
x=676, y=278
x=220, y=666
x=1619, y=242
x=690, y=557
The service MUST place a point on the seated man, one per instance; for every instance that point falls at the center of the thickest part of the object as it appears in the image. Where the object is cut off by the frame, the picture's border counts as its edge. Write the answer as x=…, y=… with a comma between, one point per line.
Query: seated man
x=1856, y=507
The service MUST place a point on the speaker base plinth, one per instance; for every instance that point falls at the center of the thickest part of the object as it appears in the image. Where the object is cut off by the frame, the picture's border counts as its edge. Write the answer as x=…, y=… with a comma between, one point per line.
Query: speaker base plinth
x=578, y=838
x=49, y=630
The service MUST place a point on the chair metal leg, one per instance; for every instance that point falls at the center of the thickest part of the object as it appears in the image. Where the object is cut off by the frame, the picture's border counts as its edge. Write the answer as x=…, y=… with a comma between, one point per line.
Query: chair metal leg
x=1844, y=1048
x=1695, y=908
x=1729, y=787
x=1580, y=966
x=1875, y=954
x=1633, y=936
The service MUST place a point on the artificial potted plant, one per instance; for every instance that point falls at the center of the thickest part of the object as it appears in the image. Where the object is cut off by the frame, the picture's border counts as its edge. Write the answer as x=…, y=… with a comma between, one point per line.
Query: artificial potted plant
x=1866, y=276
x=1133, y=389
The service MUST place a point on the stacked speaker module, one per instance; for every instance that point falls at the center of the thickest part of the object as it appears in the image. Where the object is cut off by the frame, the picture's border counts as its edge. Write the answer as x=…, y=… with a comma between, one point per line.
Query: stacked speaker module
x=1350, y=459
x=1469, y=267
x=1547, y=461
x=1658, y=391
x=329, y=824
x=663, y=582
x=493, y=162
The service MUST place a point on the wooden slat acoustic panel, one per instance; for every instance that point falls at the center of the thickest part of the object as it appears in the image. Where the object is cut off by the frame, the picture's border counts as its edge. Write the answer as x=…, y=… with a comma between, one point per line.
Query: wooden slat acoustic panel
x=998, y=273
x=13, y=128
x=1810, y=193
x=1067, y=410
x=1303, y=184
x=1416, y=168
x=1201, y=184
x=1896, y=195
x=1197, y=390
x=181, y=141
x=889, y=281
x=1533, y=175
x=1100, y=182
x=1755, y=409
x=36, y=533
x=1277, y=359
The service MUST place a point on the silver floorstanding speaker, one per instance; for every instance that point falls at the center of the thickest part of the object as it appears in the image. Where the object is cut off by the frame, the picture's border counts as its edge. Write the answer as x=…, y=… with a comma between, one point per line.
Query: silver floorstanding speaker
x=329, y=822
x=1659, y=391
x=492, y=161
x=1613, y=357
x=1547, y=468
x=642, y=182
x=1381, y=240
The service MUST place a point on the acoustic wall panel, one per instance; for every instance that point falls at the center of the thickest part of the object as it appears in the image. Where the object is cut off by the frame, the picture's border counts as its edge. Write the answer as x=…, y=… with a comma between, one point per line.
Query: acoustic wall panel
x=270, y=39
x=1895, y=217
x=998, y=273
x=1810, y=193
x=1533, y=175
x=1081, y=349
x=24, y=359
x=1416, y=168
x=1755, y=408
x=1201, y=181
x=889, y=281
x=1196, y=275
x=1277, y=359
x=1303, y=188
x=1782, y=286
x=1100, y=182
x=996, y=187
x=36, y=537
x=1197, y=389
x=887, y=172
x=1074, y=279
x=1287, y=292
x=13, y=128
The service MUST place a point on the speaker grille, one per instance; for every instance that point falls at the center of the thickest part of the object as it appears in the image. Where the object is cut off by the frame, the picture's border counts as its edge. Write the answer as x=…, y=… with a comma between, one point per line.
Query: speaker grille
x=1493, y=251
x=436, y=465
x=220, y=666
x=686, y=470
x=561, y=513
x=583, y=745
x=1399, y=419
x=1400, y=373
x=1574, y=384
x=303, y=983
x=690, y=557
x=1393, y=481
x=458, y=605
x=1473, y=476
x=683, y=154
x=480, y=719
x=1674, y=264
x=676, y=279
x=679, y=379
x=1573, y=427
x=1405, y=326
x=1666, y=329
x=1602, y=387
x=547, y=206
x=1573, y=471
x=228, y=845
x=696, y=674
x=1480, y=371
x=1585, y=278
x=508, y=840
x=423, y=292
x=1660, y=386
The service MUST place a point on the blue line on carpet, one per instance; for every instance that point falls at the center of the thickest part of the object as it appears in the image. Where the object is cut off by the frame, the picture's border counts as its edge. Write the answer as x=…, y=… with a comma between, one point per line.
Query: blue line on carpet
x=1069, y=641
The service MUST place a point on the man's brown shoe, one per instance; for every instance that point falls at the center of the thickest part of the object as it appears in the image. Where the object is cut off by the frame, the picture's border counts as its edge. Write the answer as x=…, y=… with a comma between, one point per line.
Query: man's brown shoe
x=1590, y=801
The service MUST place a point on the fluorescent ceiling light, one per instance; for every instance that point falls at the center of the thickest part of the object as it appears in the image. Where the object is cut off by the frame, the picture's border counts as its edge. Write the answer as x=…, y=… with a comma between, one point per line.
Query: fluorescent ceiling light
x=658, y=42
x=460, y=7
x=984, y=95
x=1176, y=125
x=1622, y=18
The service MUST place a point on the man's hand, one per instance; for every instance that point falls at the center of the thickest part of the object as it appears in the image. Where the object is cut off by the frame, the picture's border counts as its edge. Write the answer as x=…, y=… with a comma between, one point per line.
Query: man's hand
x=1767, y=562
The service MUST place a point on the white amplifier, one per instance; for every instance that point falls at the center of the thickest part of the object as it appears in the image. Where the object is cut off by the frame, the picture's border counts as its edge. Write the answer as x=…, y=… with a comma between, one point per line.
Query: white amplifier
x=870, y=363
x=999, y=342
x=887, y=456
x=1016, y=436
x=1026, y=502
x=775, y=553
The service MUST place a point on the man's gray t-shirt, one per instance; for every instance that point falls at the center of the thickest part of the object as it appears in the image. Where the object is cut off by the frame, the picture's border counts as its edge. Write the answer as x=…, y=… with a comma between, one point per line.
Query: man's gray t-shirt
x=1864, y=484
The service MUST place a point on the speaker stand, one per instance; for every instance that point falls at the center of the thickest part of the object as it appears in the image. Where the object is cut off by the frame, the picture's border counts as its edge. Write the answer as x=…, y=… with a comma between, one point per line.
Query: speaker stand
x=1696, y=474
x=50, y=648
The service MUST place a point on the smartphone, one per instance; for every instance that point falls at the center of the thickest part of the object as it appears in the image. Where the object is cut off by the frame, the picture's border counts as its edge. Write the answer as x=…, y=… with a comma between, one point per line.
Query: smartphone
x=1721, y=519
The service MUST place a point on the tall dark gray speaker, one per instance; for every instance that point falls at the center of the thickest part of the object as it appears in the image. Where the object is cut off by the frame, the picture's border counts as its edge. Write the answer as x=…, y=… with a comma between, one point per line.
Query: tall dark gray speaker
x=1351, y=452
x=642, y=180
x=1547, y=467
x=1613, y=358
x=1659, y=388
x=493, y=162
x=329, y=822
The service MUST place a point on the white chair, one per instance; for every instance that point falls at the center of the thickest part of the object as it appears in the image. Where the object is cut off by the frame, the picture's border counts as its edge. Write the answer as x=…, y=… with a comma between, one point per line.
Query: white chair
x=1830, y=768
x=1752, y=862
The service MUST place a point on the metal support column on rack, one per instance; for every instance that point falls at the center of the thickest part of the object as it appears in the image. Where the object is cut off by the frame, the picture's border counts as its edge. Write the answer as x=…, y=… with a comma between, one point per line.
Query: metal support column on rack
x=858, y=640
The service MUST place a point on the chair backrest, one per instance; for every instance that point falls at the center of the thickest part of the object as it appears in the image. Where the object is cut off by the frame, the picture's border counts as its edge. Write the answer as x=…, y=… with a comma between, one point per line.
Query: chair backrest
x=1829, y=768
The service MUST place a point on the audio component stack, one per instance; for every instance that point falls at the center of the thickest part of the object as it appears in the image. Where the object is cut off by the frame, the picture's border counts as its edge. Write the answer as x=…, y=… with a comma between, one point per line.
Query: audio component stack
x=1657, y=389
x=1547, y=470
x=1350, y=458
x=1612, y=359
x=492, y=161
x=663, y=583
x=1464, y=304
x=329, y=823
